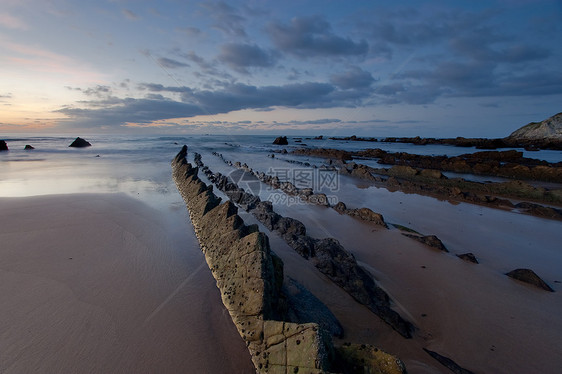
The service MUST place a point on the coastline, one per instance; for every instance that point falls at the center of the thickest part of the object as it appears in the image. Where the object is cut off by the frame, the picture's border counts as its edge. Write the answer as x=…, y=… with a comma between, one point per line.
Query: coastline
x=102, y=283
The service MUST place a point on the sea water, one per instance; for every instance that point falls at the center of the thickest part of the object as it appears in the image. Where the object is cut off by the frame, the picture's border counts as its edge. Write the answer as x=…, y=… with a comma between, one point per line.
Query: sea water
x=140, y=167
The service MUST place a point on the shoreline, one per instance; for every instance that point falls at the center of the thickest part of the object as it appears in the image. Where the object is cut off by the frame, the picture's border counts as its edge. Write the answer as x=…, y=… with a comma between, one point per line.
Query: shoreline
x=99, y=283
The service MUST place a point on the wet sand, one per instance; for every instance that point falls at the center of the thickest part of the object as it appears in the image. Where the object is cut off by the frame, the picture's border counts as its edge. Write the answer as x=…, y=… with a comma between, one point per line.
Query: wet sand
x=94, y=283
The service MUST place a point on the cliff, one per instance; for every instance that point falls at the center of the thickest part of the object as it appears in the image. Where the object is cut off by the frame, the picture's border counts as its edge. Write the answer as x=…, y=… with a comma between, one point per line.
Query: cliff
x=549, y=129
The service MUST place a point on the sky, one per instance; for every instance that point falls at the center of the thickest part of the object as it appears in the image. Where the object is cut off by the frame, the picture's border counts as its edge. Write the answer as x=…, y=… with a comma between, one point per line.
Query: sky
x=367, y=68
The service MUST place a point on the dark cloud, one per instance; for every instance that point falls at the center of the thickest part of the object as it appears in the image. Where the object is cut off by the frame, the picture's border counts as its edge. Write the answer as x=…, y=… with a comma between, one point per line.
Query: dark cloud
x=470, y=56
x=354, y=78
x=157, y=87
x=242, y=56
x=99, y=91
x=321, y=121
x=311, y=37
x=189, y=31
x=227, y=18
x=232, y=97
x=129, y=110
x=170, y=63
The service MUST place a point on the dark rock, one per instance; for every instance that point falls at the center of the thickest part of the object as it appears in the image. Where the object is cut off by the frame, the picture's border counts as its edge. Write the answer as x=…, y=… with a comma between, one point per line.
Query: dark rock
x=430, y=240
x=530, y=277
x=27, y=146
x=281, y=140
x=468, y=257
x=80, y=143
x=3, y=145
x=448, y=363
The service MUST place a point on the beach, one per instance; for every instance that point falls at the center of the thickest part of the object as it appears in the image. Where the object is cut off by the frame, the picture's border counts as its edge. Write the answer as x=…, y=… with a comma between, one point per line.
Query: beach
x=94, y=283
x=102, y=272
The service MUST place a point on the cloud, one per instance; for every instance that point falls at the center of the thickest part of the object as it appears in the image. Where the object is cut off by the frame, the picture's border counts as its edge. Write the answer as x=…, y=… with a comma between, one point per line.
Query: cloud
x=242, y=56
x=129, y=110
x=130, y=15
x=99, y=91
x=189, y=31
x=354, y=78
x=171, y=64
x=321, y=121
x=313, y=37
x=232, y=97
x=470, y=55
x=227, y=18
x=11, y=22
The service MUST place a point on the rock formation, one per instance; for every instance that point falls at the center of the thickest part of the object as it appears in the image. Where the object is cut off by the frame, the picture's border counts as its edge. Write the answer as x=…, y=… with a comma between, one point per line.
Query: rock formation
x=281, y=140
x=549, y=129
x=79, y=143
x=327, y=254
x=366, y=359
x=3, y=145
x=250, y=278
x=430, y=240
x=364, y=214
x=469, y=257
x=28, y=147
x=530, y=277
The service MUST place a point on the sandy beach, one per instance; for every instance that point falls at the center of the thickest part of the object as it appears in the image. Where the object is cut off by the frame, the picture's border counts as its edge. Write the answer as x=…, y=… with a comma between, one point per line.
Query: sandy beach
x=101, y=283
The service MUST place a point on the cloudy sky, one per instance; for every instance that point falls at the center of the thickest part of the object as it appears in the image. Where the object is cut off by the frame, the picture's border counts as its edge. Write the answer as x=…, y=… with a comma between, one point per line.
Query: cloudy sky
x=376, y=68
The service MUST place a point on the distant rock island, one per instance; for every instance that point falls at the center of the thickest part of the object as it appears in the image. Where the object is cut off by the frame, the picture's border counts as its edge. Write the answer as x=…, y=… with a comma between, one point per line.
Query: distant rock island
x=533, y=137
x=80, y=143
x=550, y=128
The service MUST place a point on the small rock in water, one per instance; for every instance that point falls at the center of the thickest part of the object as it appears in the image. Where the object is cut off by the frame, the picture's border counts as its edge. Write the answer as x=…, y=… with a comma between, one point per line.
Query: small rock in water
x=3, y=145
x=281, y=140
x=80, y=143
x=27, y=146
